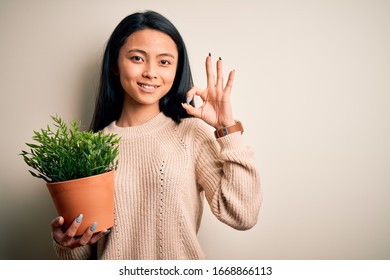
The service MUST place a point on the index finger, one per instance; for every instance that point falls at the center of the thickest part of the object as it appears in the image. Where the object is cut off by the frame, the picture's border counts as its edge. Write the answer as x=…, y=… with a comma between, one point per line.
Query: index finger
x=71, y=231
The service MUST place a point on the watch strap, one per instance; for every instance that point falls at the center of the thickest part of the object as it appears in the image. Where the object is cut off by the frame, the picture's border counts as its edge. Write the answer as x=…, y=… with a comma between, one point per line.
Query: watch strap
x=229, y=130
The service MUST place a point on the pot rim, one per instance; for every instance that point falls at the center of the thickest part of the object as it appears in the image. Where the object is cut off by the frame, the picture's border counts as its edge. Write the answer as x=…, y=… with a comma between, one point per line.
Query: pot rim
x=81, y=179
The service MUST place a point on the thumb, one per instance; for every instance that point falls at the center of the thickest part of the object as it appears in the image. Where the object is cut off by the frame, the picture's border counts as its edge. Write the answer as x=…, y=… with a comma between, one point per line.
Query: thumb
x=57, y=222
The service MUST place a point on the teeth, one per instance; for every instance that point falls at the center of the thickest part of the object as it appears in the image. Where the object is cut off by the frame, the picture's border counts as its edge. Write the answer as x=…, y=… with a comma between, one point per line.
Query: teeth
x=147, y=86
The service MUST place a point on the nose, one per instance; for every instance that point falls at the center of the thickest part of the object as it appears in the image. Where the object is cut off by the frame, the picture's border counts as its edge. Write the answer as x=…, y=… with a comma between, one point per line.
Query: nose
x=150, y=71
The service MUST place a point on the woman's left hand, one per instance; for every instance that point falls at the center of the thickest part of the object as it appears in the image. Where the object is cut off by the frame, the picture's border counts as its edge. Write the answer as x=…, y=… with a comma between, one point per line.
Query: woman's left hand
x=216, y=109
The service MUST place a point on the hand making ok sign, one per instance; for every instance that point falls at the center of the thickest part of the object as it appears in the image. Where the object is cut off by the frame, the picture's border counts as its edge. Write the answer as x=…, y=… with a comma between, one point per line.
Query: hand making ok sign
x=216, y=109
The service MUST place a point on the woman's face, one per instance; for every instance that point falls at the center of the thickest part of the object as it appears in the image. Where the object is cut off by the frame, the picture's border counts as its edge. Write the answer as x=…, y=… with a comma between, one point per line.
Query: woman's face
x=147, y=65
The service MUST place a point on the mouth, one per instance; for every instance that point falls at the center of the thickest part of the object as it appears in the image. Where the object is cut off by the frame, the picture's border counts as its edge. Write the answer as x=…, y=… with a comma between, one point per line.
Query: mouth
x=148, y=87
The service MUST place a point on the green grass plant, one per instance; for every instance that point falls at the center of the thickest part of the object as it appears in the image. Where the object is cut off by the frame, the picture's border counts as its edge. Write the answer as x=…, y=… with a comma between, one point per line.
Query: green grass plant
x=66, y=153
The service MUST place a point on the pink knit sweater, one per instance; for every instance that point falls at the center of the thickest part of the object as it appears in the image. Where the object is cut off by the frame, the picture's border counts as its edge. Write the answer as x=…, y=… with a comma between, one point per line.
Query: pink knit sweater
x=165, y=171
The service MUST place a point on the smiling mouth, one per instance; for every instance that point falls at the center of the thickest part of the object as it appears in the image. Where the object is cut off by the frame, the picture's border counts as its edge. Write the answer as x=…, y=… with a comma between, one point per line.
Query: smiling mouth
x=148, y=87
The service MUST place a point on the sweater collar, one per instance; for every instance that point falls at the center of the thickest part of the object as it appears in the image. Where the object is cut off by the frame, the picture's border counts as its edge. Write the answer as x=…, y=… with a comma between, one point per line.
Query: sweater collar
x=151, y=126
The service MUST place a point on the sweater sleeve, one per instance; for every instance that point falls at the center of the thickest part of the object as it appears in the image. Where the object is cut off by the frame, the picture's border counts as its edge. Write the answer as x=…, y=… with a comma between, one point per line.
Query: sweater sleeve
x=79, y=253
x=227, y=173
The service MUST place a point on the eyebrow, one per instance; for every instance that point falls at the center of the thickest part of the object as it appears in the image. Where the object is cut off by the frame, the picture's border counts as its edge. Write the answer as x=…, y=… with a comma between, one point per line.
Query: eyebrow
x=145, y=53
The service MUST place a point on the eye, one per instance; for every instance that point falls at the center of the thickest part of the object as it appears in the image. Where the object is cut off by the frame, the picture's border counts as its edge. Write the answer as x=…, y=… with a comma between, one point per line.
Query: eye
x=136, y=58
x=165, y=62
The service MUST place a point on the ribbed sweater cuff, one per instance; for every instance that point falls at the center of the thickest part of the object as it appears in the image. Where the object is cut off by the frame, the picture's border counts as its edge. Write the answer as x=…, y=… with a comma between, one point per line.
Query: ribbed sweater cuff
x=79, y=253
x=231, y=142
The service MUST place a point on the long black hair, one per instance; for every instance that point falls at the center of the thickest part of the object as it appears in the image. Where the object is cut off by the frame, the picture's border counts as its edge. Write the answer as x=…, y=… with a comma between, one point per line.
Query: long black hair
x=110, y=96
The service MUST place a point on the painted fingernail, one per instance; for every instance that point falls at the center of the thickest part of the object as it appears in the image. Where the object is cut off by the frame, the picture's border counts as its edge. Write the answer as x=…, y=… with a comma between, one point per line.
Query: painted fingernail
x=107, y=232
x=209, y=54
x=188, y=100
x=93, y=227
x=220, y=58
x=79, y=218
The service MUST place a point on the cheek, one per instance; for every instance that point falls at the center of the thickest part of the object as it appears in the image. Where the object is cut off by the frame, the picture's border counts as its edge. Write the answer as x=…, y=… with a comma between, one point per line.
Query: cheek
x=125, y=70
x=169, y=76
x=127, y=74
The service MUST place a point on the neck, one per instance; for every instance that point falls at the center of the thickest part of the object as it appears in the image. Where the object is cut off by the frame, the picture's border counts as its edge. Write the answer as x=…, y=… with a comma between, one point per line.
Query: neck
x=136, y=115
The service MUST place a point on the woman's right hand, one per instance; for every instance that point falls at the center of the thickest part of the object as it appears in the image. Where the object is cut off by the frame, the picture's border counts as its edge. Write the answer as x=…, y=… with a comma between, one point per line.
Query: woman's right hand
x=67, y=238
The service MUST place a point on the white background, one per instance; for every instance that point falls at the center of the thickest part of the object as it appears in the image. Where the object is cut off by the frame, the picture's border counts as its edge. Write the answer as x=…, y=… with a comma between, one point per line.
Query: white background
x=312, y=89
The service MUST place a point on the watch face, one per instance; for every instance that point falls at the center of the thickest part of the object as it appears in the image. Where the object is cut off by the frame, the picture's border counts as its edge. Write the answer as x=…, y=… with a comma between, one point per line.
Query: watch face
x=225, y=131
x=228, y=130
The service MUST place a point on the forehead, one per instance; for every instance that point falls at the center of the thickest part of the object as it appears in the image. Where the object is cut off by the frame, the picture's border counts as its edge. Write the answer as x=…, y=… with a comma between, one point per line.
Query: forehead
x=151, y=41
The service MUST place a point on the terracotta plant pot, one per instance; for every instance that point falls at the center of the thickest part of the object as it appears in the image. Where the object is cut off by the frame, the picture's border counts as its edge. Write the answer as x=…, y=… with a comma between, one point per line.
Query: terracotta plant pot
x=91, y=196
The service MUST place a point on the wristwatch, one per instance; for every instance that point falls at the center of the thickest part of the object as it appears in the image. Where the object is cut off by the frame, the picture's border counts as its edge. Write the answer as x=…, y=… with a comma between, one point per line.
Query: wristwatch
x=229, y=130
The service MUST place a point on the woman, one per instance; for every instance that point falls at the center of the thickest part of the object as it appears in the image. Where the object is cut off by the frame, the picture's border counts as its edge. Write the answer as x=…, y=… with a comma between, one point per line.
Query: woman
x=168, y=159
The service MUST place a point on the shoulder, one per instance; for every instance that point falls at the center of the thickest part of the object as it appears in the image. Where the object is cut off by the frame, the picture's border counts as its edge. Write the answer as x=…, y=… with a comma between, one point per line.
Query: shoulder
x=111, y=128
